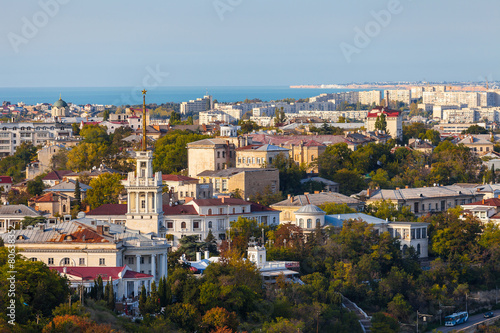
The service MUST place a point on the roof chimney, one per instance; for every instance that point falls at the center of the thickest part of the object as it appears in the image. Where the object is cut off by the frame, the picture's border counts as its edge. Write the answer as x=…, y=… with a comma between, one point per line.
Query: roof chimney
x=207, y=254
x=483, y=201
x=100, y=229
x=222, y=199
x=368, y=192
x=198, y=256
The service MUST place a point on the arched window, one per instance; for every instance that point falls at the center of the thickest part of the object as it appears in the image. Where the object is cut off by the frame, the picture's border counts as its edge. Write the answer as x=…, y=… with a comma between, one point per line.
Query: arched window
x=274, y=220
x=318, y=222
x=183, y=225
x=301, y=223
x=209, y=224
x=65, y=261
x=210, y=211
x=234, y=210
x=309, y=223
x=33, y=259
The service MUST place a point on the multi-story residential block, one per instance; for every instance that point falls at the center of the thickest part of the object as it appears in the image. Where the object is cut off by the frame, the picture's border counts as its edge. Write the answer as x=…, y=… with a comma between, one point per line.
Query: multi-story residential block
x=398, y=95
x=394, y=120
x=424, y=200
x=195, y=106
x=210, y=154
x=12, y=135
x=215, y=116
x=370, y=97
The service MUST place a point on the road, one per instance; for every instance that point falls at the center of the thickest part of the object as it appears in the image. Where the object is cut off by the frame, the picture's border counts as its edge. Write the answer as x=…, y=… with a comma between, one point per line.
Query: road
x=473, y=320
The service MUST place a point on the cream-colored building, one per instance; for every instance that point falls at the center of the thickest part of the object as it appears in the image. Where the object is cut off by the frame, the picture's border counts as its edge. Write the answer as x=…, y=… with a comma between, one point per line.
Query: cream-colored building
x=425, y=200
x=12, y=215
x=248, y=181
x=88, y=243
x=210, y=154
x=291, y=205
x=258, y=156
x=398, y=95
x=393, y=118
x=481, y=143
x=370, y=97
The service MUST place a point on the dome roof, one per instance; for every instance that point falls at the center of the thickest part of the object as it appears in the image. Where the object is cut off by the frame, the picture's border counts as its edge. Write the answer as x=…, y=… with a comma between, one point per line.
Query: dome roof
x=60, y=103
x=310, y=209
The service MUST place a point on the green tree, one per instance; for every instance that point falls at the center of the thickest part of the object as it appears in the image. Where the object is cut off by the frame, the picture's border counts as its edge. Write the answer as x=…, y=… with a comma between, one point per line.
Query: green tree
x=290, y=173
x=78, y=194
x=175, y=118
x=170, y=155
x=105, y=189
x=36, y=186
x=105, y=115
x=386, y=209
x=76, y=129
x=85, y=156
x=475, y=129
x=381, y=122
x=248, y=126
x=332, y=208
x=279, y=117
x=95, y=134
x=399, y=307
x=350, y=181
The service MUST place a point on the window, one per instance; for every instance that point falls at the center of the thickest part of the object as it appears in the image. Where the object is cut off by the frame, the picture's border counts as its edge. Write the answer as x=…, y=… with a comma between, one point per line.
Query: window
x=210, y=211
x=223, y=154
x=415, y=207
x=209, y=224
x=183, y=225
x=221, y=211
x=301, y=223
x=143, y=204
x=418, y=233
x=170, y=224
x=270, y=160
x=258, y=160
x=397, y=233
x=418, y=249
x=424, y=233
x=430, y=207
x=220, y=224
x=309, y=223
x=81, y=262
x=142, y=260
x=130, y=260
x=102, y=262
x=274, y=220
x=51, y=261
x=412, y=233
x=218, y=154
x=196, y=224
x=33, y=259
x=239, y=159
x=318, y=223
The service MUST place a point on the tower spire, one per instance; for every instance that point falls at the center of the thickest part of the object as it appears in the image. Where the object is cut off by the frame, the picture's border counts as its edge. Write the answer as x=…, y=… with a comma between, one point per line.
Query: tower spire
x=144, y=145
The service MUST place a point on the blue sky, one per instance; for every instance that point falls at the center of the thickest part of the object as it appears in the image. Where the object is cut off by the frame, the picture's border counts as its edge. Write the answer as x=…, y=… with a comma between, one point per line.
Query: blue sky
x=252, y=42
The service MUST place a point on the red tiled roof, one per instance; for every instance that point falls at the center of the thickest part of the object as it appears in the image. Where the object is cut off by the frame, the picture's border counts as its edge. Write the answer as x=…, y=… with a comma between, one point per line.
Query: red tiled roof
x=136, y=275
x=176, y=178
x=57, y=174
x=255, y=207
x=109, y=209
x=218, y=202
x=179, y=210
x=389, y=113
x=486, y=202
x=91, y=273
x=48, y=197
x=5, y=180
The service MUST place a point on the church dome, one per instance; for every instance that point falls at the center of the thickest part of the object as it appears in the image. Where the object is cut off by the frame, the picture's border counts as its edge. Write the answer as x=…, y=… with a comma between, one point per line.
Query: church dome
x=310, y=209
x=60, y=103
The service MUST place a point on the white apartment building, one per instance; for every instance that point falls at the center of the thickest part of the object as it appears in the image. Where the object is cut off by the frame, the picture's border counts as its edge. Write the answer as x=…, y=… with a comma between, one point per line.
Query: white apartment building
x=213, y=116
x=195, y=106
x=472, y=99
x=370, y=97
x=398, y=95
x=12, y=135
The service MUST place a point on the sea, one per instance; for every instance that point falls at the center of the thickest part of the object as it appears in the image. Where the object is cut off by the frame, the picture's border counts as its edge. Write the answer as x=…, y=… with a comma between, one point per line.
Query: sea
x=133, y=96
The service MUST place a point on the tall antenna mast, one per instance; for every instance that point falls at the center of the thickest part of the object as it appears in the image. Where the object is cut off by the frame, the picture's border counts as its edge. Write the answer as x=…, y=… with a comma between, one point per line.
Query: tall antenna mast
x=144, y=145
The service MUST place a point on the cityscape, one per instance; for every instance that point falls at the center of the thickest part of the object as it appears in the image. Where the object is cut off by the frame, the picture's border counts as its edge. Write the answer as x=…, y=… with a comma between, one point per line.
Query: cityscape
x=183, y=172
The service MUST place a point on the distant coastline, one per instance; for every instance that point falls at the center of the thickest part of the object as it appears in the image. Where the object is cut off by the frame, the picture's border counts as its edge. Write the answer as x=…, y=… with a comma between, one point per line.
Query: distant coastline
x=355, y=86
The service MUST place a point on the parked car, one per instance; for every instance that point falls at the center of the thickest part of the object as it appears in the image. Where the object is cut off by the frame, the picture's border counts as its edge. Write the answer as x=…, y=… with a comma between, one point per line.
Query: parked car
x=488, y=314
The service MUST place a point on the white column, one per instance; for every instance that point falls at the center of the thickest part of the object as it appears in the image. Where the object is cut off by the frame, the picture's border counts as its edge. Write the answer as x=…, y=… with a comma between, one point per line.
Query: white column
x=146, y=204
x=138, y=262
x=153, y=266
x=128, y=203
x=136, y=289
x=137, y=199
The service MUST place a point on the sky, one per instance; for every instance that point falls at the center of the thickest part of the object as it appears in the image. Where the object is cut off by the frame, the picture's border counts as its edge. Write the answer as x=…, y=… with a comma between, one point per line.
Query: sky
x=71, y=43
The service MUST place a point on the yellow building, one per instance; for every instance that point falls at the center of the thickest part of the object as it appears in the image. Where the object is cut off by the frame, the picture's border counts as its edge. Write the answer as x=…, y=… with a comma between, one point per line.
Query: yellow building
x=258, y=156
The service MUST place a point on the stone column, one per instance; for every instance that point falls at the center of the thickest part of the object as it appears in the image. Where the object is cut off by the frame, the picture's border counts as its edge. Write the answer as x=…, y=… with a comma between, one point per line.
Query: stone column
x=138, y=262
x=153, y=266
x=137, y=201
